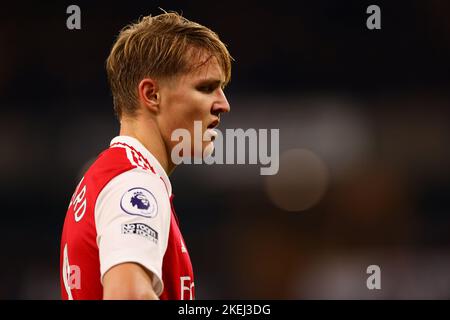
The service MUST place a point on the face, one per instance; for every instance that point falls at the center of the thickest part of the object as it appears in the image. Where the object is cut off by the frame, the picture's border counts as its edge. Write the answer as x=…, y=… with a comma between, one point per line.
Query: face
x=197, y=96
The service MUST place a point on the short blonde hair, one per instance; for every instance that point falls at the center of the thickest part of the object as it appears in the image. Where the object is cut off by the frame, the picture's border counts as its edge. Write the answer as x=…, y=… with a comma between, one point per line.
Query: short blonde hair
x=160, y=47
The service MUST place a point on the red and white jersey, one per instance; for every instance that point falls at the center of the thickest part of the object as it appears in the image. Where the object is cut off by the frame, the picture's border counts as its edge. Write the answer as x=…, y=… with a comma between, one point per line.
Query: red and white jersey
x=122, y=211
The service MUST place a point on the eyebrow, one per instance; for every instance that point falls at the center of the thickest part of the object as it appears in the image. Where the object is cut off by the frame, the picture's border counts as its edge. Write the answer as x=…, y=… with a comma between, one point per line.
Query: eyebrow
x=210, y=81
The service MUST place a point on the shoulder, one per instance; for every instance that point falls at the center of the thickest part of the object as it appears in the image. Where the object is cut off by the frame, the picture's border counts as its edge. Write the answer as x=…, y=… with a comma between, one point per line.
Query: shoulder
x=136, y=192
x=121, y=164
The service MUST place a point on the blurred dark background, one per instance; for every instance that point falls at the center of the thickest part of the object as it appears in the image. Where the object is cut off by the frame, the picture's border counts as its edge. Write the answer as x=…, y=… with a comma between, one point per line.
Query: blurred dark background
x=364, y=158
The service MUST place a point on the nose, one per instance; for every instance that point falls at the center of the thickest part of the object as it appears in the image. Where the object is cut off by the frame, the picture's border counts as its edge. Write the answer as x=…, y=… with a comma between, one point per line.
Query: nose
x=221, y=105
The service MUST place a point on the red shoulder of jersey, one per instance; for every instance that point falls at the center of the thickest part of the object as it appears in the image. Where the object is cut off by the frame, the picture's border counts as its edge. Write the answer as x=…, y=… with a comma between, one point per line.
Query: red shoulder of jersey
x=80, y=256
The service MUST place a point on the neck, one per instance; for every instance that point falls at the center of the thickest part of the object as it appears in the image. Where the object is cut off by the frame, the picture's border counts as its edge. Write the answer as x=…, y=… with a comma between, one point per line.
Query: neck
x=149, y=134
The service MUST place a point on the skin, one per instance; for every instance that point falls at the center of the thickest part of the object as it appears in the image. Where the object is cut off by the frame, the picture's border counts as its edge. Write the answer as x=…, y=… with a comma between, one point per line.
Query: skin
x=163, y=107
x=128, y=281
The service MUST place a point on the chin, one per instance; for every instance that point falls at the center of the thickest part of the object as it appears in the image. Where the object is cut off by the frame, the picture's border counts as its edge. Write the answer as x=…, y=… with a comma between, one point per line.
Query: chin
x=208, y=150
x=205, y=151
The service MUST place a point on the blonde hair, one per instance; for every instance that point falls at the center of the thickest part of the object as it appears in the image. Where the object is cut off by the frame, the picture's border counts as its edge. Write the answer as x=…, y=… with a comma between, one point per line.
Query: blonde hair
x=160, y=47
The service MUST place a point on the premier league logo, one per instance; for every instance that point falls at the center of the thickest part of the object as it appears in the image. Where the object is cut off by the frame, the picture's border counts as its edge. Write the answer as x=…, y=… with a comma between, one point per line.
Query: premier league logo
x=139, y=202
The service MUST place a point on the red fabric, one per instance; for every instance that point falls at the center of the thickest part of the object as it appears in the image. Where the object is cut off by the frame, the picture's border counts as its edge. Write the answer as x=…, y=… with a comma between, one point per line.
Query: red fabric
x=81, y=237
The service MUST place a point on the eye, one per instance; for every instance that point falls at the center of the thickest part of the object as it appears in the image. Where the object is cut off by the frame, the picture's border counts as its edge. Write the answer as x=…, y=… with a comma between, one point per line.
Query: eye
x=206, y=89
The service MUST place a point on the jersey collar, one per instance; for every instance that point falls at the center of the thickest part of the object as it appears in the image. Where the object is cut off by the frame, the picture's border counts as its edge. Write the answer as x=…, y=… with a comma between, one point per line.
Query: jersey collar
x=136, y=144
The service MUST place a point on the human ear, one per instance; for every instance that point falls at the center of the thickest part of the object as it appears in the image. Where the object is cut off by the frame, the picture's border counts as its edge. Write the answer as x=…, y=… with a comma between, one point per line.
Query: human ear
x=149, y=94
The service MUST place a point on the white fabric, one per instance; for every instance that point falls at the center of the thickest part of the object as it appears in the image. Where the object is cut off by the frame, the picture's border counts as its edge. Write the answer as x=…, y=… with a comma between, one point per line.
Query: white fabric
x=115, y=246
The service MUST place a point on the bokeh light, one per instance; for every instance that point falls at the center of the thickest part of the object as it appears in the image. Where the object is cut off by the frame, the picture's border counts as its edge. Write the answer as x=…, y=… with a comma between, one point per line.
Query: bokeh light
x=301, y=181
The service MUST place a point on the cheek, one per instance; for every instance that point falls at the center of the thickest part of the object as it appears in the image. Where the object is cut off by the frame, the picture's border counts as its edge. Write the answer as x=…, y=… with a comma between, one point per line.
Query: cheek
x=194, y=107
x=177, y=117
x=183, y=109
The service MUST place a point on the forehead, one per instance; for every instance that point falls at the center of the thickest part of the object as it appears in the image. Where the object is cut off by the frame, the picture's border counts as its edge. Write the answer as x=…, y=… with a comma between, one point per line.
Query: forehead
x=206, y=67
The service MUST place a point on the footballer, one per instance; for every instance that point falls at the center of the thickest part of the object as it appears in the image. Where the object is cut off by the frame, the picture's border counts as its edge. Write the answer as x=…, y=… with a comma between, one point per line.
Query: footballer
x=121, y=237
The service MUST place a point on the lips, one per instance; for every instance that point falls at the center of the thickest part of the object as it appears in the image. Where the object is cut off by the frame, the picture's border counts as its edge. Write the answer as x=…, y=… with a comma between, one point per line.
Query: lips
x=214, y=124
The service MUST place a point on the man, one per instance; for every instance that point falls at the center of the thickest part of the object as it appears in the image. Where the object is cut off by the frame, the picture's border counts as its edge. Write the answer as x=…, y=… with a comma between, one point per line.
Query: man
x=121, y=238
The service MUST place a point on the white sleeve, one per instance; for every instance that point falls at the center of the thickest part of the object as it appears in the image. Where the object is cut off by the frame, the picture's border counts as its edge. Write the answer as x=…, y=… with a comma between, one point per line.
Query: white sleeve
x=132, y=216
